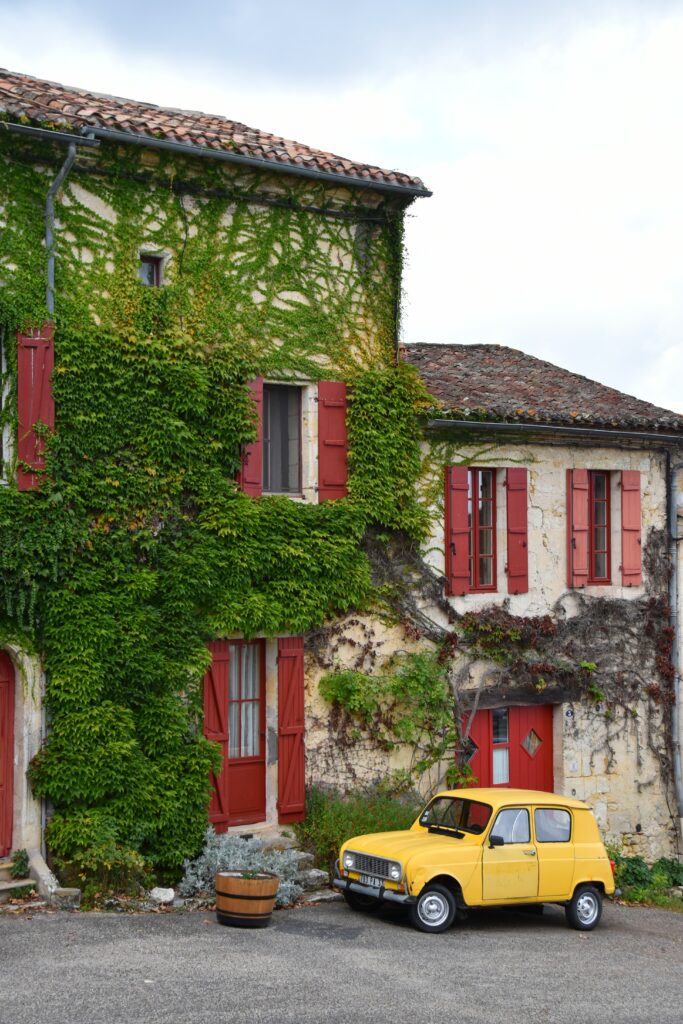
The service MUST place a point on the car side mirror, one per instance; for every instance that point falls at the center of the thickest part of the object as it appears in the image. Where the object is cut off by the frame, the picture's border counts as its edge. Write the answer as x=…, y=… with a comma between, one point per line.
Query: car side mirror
x=496, y=841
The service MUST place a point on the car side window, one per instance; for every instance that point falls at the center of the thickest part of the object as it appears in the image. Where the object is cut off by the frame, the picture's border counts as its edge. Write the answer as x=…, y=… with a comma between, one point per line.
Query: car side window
x=512, y=825
x=552, y=825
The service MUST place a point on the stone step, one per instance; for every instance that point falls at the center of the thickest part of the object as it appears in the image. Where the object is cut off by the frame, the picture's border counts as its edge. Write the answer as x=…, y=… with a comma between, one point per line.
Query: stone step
x=5, y=866
x=7, y=888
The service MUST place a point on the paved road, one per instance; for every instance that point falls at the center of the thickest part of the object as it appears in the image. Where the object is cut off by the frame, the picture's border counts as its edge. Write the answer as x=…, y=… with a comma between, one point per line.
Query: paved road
x=327, y=964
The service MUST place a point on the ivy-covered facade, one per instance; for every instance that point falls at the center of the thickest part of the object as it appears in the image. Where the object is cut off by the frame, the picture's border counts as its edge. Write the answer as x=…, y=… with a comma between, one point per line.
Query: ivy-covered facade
x=203, y=416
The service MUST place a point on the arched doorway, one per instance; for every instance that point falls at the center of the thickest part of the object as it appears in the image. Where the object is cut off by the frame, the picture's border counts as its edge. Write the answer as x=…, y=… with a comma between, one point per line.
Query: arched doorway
x=6, y=752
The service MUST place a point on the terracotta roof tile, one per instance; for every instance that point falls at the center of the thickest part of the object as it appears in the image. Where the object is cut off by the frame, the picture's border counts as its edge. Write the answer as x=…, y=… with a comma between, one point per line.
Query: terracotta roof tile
x=24, y=96
x=510, y=385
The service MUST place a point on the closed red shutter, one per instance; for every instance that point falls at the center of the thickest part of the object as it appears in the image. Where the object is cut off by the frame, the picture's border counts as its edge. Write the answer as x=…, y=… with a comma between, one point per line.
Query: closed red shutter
x=216, y=727
x=6, y=752
x=35, y=363
x=251, y=475
x=291, y=802
x=457, y=531
x=332, y=440
x=517, y=531
x=577, y=527
x=631, y=549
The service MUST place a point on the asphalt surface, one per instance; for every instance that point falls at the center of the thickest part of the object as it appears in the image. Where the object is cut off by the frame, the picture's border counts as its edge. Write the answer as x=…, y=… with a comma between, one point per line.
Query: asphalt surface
x=326, y=964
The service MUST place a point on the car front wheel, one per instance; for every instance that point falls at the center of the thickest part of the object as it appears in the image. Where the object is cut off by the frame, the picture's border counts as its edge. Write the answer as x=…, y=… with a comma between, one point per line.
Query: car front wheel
x=434, y=910
x=584, y=909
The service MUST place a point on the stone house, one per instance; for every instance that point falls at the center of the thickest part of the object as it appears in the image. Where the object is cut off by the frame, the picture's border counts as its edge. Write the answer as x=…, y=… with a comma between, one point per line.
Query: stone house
x=555, y=566
x=183, y=300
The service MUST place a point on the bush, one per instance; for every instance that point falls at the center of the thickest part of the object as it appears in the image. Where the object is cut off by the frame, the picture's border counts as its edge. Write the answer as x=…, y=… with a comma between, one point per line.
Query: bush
x=650, y=885
x=232, y=853
x=331, y=818
x=631, y=871
x=671, y=869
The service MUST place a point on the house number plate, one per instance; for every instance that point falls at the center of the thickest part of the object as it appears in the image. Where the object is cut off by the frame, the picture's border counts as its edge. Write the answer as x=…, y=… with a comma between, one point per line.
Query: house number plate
x=371, y=880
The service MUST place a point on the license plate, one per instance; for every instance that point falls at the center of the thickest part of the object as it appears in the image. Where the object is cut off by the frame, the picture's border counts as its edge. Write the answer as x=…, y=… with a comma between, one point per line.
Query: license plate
x=376, y=883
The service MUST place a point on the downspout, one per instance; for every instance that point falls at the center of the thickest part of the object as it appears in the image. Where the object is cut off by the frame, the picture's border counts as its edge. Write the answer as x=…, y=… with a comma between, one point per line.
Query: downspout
x=676, y=717
x=50, y=225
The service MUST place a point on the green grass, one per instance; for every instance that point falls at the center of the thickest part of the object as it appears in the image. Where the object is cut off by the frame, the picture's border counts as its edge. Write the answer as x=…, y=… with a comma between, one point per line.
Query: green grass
x=332, y=817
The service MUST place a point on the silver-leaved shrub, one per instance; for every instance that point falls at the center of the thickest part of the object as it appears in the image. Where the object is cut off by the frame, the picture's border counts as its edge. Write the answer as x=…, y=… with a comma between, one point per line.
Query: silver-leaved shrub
x=229, y=852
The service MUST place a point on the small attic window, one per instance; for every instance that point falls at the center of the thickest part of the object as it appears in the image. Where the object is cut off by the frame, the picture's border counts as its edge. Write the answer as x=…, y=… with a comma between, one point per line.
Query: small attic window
x=150, y=270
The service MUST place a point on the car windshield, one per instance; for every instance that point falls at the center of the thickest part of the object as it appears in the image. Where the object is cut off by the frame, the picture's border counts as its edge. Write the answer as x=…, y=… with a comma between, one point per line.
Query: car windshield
x=455, y=813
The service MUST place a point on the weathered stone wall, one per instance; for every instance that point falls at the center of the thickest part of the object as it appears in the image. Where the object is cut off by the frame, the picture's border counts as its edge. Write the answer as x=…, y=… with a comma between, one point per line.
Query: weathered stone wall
x=611, y=731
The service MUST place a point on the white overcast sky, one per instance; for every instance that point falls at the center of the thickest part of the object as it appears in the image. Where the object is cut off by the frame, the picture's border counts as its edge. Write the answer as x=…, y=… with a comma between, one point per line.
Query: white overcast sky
x=548, y=130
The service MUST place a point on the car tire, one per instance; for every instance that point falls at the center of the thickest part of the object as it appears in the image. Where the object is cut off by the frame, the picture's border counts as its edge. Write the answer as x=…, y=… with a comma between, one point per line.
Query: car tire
x=434, y=910
x=360, y=903
x=584, y=910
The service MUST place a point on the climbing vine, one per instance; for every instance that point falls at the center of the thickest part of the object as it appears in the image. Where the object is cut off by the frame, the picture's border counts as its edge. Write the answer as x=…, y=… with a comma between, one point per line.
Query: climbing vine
x=139, y=546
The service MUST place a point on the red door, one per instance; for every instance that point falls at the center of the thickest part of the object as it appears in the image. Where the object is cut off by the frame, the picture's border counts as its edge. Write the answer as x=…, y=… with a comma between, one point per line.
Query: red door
x=513, y=746
x=235, y=717
x=6, y=752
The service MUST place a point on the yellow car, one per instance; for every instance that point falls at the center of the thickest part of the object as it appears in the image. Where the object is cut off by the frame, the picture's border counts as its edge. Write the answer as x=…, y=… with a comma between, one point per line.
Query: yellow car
x=482, y=848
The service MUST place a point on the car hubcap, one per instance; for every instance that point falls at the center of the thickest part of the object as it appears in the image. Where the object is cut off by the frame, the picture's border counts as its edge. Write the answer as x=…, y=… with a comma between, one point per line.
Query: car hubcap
x=432, y=909
x=587, y=908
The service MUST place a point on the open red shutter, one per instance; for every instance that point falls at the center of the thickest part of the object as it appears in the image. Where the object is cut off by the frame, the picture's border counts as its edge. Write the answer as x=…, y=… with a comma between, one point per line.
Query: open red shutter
x=251, y=474
x=35, y=363
x=457, y=531
x=517, y=531
x=631, y=550
x=577, y=527
x=332, y=440
x=216, y=727
x=291, y=802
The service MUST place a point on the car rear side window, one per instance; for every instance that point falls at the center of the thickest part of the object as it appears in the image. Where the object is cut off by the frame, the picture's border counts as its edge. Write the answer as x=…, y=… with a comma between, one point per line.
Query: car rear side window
x=552, y=825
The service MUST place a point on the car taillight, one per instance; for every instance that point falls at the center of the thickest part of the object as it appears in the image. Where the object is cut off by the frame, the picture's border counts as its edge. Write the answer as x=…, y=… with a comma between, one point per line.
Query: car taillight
x=613, y=865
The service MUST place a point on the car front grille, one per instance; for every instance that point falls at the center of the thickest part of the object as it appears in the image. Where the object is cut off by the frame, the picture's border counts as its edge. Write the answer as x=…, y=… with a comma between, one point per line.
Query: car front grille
x=367, y=865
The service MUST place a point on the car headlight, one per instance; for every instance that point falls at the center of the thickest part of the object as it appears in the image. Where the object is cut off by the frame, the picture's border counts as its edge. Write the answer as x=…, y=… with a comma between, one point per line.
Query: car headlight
x=349, y=861
x=395, y=872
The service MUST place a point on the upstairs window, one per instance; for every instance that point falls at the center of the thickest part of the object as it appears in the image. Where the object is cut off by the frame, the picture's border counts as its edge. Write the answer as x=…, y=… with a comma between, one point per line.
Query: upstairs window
x=599, y=570
x=281, y=439
x=481, y=517
x=150, y=270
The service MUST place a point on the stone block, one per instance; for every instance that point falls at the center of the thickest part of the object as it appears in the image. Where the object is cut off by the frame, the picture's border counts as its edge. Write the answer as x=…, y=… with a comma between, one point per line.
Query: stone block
x=66, y=898
x=162, y=896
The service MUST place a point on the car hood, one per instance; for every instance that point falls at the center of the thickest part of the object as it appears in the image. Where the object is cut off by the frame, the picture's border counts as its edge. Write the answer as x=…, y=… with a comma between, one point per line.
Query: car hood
x=404, y=845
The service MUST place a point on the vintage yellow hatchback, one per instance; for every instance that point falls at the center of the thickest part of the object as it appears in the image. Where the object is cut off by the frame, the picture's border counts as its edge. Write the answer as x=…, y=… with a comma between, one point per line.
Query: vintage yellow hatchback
x=482, y=848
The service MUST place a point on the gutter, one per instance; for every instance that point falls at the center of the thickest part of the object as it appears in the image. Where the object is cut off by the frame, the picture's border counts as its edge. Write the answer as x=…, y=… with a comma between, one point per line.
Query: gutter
x=676, y=717
x=547, y=430
x=134, y=139
x=72, y=141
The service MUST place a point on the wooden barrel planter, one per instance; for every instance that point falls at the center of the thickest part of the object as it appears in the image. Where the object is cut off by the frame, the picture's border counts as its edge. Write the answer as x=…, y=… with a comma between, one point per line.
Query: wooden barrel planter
x=245, y=902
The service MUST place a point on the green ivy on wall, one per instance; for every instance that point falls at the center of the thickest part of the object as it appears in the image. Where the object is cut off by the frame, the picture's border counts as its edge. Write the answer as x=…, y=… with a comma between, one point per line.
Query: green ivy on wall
x=139, y=547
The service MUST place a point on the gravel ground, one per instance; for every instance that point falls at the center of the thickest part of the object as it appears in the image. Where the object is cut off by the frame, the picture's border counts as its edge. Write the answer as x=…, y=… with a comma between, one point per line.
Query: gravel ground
x=326, y=964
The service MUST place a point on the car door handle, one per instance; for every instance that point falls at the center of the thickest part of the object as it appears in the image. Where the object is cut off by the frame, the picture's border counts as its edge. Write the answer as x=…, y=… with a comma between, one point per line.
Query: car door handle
x=529, y=853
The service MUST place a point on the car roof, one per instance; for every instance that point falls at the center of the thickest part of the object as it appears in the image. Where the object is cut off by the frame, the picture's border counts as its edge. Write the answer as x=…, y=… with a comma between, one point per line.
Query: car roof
x=503, y=797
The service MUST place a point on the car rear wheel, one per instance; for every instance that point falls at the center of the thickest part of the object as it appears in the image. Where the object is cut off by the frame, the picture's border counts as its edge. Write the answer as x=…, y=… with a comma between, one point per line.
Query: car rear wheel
x=584, y=909
x=357, y=901
x=434, y=910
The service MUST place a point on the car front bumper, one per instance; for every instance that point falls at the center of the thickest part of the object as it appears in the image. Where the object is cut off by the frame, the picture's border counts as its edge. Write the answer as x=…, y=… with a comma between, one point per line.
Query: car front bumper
x=348, y=885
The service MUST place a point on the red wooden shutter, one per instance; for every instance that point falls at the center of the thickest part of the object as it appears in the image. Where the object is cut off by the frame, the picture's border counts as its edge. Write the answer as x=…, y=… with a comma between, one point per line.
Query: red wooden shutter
x=251, y=475
x=517, y=531
x=35, y=363
x=291, y=757
x=332, y=440
x=6, y=752
x=631, y=550
x=577, y=527
x=216, y=727
x=457, y=531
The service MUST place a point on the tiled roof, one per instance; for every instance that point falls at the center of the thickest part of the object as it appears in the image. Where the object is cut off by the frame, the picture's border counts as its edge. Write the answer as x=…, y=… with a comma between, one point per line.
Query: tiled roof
x=511, y=386
x=22, y=96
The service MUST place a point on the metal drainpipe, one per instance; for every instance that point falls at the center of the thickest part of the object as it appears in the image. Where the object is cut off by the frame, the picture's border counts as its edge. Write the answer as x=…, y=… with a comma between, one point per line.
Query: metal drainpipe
x=50, y=224
x=675, y=658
